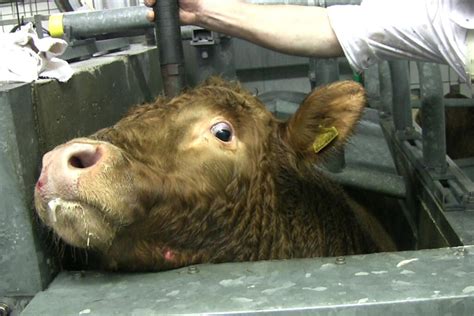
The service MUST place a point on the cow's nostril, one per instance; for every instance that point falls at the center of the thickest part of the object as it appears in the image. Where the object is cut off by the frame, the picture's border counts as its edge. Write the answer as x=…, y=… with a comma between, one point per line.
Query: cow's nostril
x=84, y=159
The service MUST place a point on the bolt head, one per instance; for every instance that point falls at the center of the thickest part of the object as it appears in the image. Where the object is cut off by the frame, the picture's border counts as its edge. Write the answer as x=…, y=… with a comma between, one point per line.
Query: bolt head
x=193, y=270
x=340, y=260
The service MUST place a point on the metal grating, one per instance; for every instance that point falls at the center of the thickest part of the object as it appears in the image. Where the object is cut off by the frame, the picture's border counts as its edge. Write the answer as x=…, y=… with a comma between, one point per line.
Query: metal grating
x=13, y=13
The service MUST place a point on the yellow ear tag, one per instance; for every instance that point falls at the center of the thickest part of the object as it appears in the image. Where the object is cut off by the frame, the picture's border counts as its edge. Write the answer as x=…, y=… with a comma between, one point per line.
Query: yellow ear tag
x=324, y=138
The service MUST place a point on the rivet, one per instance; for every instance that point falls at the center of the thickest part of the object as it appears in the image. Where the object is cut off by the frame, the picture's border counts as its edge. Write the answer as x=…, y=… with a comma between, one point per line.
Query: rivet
x=193, y=270
x=4, y=309
x=340, y=260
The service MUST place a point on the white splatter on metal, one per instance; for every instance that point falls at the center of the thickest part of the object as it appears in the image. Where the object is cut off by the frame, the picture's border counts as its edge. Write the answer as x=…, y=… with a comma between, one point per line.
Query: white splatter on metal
x=85, y=311
x=232, y=282
x=162, y=300
x=361, y=273
x=173, y=293
x=405, y=262
x=328, y=265
x=363, y=300
x=468, y=289
x=407, y=272
x=285, y=286
x=307, y=275
x=379, y=272
x=436, y=293
x=242, y=299
x=398, y=282
x=317, y=289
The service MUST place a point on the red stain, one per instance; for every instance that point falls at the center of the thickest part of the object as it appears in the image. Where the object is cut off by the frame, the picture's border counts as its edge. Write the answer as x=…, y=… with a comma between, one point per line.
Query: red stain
x=169, y=255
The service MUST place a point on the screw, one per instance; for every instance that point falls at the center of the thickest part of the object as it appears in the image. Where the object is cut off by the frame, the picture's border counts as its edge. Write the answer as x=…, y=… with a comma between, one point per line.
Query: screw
x=340, y=260
x=4, y=309
x=193, y=270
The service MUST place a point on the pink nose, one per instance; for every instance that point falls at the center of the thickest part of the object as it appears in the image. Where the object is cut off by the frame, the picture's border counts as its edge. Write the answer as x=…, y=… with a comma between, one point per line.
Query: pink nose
x=64, y=165
x=82, y=156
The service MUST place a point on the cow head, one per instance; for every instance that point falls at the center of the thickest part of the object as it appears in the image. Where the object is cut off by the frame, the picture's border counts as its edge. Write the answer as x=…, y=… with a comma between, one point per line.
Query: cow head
x=178, y=181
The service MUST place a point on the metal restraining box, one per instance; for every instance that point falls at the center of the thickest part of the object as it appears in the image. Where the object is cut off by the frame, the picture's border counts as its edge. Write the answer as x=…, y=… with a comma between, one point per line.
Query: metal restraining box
x=431, y=197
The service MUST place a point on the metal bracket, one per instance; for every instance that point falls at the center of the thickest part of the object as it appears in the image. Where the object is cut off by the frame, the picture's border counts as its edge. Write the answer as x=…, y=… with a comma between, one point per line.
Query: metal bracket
x=203, y=37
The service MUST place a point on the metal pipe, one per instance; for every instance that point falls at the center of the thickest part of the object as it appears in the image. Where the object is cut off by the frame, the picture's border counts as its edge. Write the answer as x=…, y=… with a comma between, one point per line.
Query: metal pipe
x=93, y=23
x=386, y=91
x=90, y=23
x=171, y=49
x=372, y=86
x=401, y=108
x=372, y=180
x=448, y=103
x=433, y=117
x=318, y=3
x=216, y=59
x=323, y=71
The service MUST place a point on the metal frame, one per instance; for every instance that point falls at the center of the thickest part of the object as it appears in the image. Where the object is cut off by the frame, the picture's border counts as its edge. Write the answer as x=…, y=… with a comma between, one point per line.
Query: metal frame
x=436, y=200
x=429, y=282
x=425, y=282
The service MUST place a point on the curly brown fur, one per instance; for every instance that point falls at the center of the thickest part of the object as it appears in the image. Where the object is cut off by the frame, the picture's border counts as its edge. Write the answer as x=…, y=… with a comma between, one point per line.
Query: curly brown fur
x=167, y=193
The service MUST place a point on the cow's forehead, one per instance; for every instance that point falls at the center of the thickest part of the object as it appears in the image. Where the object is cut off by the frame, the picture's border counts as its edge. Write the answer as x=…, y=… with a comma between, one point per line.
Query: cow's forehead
x=222, y=102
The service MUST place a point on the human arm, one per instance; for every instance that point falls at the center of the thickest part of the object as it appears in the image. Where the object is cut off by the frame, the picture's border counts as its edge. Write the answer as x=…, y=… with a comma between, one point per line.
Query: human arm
x=296, y=30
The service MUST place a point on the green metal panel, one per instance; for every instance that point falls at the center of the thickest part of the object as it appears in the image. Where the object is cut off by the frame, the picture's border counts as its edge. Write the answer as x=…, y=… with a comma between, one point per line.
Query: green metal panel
x=33, y=119
x=99, y=94
x=429, y=282
x=23, y=267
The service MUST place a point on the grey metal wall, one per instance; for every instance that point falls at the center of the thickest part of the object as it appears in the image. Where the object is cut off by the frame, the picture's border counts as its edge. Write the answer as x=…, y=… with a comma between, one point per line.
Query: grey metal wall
x=36, y=117
x=23, y=267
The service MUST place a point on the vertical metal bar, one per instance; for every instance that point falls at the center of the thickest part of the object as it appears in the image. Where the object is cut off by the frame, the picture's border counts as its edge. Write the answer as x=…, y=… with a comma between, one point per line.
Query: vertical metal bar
x=372, y=86
x=432, y=117
x=323, y=71
x=17, y=11
x=386, y=91
x=24, y=9
x=216, y=59
x=171, y=49
x=401, y=108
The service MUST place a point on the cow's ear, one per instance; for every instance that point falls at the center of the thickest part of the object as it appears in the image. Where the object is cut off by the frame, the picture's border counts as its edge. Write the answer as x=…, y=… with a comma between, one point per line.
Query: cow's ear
x=325, y=119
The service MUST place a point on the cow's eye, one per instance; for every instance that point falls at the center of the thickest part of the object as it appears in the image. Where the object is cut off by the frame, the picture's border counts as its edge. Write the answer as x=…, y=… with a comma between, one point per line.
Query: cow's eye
x=223, y=131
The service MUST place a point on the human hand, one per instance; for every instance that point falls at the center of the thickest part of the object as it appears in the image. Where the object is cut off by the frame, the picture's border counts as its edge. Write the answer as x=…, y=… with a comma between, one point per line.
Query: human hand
x=188, y=11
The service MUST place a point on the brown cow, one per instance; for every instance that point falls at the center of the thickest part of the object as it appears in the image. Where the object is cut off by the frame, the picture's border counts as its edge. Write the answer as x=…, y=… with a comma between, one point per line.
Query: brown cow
x=209, y=176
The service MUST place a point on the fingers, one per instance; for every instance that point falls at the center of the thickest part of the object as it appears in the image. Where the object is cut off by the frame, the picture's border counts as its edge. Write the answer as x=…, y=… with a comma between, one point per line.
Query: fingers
x=149, y=3
x=150, y=15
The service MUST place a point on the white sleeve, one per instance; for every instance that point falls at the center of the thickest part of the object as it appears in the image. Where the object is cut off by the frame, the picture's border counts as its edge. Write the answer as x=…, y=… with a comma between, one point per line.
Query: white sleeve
x=385, y=29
